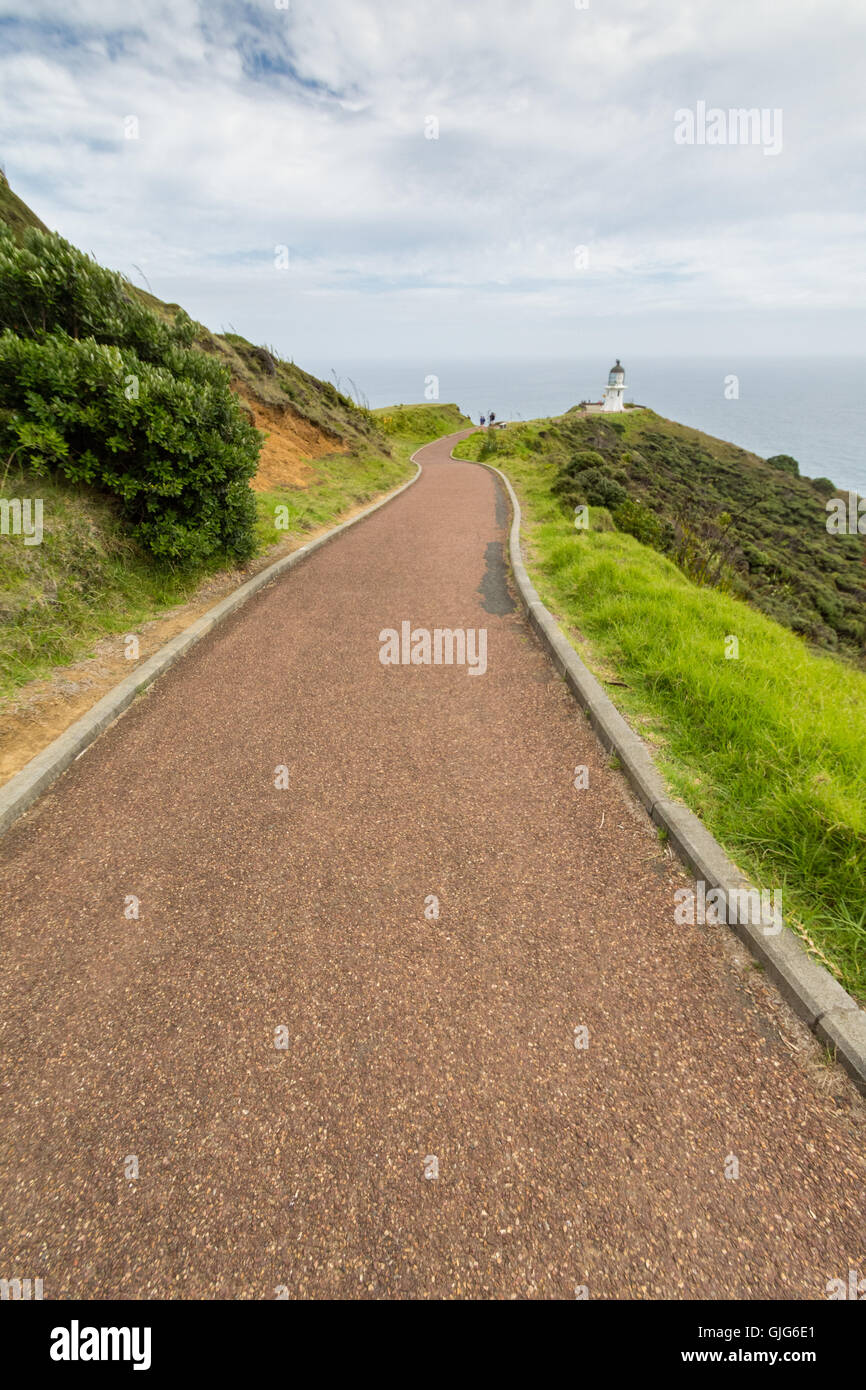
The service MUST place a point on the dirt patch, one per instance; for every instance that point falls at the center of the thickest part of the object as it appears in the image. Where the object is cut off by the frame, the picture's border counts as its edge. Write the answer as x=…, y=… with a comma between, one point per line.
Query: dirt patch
x=291, y=442
x=44, y=709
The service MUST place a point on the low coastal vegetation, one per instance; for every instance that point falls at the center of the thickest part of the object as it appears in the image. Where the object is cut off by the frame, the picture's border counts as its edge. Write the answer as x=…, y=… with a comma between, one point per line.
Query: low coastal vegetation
x=762, y=736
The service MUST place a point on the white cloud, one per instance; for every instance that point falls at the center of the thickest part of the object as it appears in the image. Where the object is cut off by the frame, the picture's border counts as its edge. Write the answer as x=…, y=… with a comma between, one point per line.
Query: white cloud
x=260, y=126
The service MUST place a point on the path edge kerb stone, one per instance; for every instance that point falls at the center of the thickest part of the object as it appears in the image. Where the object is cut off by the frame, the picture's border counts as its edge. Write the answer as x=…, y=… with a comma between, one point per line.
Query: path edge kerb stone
x=20, y=792
x=828, y=1009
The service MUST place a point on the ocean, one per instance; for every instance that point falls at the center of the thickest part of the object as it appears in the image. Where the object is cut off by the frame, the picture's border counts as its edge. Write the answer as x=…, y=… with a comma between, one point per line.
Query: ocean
x=813, y=409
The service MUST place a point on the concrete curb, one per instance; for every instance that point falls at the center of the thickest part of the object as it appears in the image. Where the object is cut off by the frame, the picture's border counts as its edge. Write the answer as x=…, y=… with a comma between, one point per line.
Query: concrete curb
x=19, y=793
x=812, y=992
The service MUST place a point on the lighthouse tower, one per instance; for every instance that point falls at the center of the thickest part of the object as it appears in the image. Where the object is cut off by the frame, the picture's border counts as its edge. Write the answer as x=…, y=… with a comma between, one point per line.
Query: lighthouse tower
x=612, y=399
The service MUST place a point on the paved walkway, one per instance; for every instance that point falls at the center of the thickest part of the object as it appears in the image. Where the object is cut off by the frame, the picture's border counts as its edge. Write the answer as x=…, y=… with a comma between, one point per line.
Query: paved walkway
x=408, y=1040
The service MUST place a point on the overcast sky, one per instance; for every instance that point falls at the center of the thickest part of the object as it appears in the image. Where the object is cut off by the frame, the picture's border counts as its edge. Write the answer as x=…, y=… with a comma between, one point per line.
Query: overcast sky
x=307, y=127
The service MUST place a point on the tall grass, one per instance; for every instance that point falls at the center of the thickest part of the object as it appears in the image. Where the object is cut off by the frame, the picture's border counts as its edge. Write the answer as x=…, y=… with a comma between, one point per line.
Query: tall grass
x=87, y=579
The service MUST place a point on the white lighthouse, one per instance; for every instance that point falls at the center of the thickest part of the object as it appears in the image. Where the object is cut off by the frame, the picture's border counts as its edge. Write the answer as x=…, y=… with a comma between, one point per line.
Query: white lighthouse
x=612, y=399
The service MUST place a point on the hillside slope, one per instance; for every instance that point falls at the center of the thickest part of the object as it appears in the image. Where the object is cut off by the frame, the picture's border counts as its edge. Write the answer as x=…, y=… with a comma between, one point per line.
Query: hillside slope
x=14, y=212
x=752, y=527
x=314, y=457
x=300, y=416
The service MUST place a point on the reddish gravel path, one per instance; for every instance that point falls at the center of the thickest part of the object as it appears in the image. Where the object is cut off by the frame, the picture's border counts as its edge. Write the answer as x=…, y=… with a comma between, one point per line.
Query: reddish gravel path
x=408, y=1038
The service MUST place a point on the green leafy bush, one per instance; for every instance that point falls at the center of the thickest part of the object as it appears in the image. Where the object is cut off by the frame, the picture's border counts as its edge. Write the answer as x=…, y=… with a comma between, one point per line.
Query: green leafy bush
x=785, y=463
x=825, y=486
x=636, y=519
x=169, y=441
x=600, y=519
x=47, y=285
x=592, y=486
x=586, y=477
x=583, y=459
x=97, y=389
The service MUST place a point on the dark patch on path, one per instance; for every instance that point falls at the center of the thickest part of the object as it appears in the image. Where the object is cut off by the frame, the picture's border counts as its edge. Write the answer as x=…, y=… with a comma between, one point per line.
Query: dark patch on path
x=501, y=511
x=495, y=594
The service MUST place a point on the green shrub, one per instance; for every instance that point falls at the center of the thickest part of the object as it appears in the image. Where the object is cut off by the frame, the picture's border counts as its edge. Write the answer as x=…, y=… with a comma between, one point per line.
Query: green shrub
x=828, y=603
x=96, y=388
x=592, y=486
x=785, y=463
x=169, y=441
x=756, y=558
x=600, y=519
x=583, y=459
x=46, y=285
x=636, y=519
x=825, y=486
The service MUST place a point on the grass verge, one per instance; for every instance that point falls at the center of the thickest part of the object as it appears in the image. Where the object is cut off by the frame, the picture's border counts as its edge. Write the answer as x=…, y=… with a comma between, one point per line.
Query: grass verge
x=767, y=748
